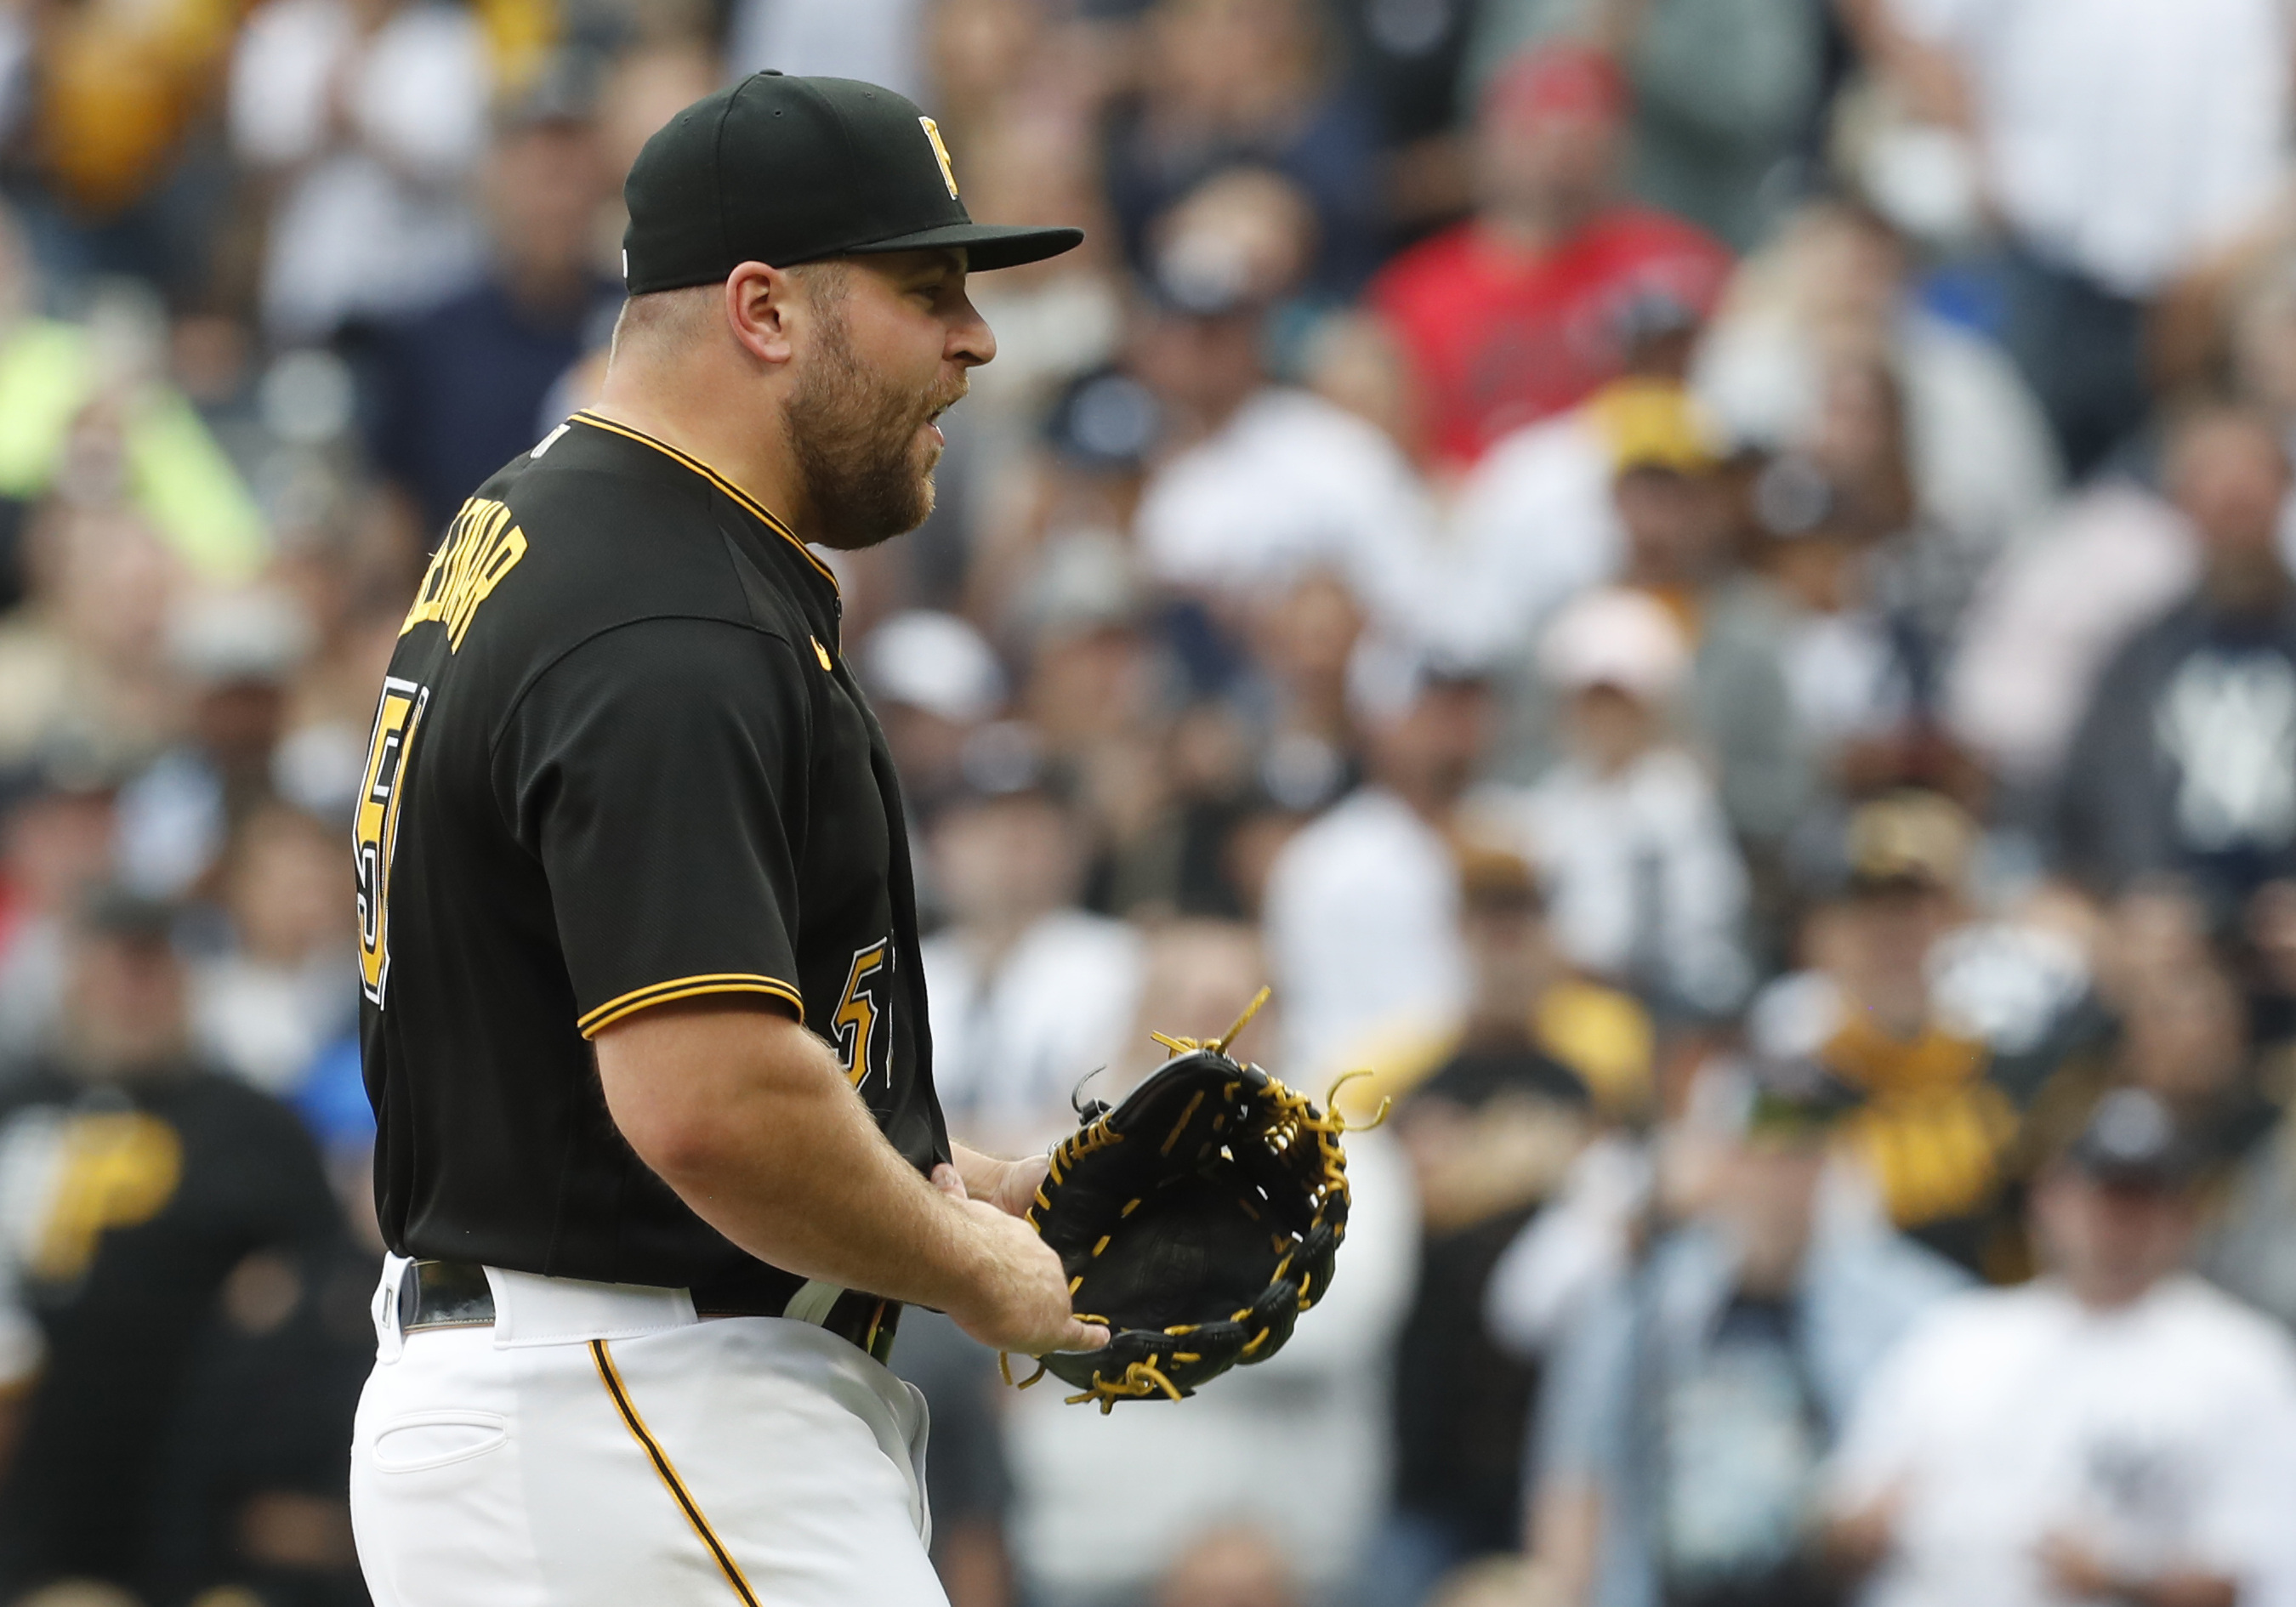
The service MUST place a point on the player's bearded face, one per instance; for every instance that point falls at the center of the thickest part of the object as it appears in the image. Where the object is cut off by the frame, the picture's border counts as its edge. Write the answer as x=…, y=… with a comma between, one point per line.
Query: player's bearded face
x=861, y=439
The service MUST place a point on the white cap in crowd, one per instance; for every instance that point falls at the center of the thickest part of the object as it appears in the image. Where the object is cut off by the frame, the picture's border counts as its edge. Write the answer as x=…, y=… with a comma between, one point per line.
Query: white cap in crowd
x=1616, y=637
x=936, y=662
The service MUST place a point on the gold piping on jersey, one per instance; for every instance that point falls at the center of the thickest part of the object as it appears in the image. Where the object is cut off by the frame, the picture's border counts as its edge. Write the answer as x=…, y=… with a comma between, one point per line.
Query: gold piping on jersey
x=685, y=987
x=715, y=479
x=612, y=1378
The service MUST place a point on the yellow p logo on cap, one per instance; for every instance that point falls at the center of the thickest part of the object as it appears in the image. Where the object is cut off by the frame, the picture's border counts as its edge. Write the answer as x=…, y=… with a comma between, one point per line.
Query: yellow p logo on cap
x=940, y=153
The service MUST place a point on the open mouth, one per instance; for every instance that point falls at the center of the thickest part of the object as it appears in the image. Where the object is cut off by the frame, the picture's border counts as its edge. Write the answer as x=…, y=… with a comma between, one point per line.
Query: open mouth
x=932, y=419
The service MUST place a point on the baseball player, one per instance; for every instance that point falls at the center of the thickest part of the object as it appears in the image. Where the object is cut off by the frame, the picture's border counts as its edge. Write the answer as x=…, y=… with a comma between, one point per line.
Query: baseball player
x=644, y=1025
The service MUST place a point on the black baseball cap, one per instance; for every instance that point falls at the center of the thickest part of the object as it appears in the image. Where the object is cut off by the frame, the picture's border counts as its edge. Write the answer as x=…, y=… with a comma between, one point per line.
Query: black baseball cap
x=785, y=171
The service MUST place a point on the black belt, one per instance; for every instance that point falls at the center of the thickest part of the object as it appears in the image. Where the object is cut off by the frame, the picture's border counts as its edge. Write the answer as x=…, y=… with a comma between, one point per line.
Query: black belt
x=455, y=1294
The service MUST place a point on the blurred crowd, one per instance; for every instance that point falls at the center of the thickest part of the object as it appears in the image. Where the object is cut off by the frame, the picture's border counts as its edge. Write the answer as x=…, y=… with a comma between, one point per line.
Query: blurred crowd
x=1706, y=587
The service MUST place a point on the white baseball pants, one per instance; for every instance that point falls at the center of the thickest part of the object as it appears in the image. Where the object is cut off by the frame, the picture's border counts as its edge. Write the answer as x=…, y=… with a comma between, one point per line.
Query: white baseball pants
x=600, y=1446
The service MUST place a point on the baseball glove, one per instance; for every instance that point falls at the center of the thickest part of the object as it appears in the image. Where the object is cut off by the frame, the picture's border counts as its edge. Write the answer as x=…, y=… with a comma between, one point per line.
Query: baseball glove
x=1197, y=1220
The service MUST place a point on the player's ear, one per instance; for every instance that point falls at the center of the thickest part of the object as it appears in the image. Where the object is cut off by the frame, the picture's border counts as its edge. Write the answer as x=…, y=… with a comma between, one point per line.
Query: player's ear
x=760, y=305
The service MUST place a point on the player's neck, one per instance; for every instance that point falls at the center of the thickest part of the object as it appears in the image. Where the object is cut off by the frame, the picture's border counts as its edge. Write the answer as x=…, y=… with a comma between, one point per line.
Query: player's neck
x=755, y=459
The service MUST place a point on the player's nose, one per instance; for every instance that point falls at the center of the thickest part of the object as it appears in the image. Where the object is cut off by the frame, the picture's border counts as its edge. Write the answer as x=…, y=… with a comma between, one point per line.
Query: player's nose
x=971, y=341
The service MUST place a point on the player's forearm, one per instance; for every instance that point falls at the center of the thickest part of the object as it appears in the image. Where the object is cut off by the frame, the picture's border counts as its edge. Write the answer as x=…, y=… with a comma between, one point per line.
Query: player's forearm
x=750, y=1118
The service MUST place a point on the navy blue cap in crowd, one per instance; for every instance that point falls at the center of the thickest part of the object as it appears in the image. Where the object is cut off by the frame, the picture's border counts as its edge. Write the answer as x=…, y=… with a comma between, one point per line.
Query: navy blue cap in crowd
x=1104, y=421
x=2132, y=1141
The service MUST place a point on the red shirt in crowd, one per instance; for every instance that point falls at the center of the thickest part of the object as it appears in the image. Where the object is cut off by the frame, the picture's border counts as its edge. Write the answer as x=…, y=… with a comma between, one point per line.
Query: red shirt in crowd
x=1499, y=338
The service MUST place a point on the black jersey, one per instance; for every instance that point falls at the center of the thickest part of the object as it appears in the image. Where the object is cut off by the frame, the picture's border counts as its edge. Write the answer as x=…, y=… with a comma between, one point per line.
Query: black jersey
x=618, y=760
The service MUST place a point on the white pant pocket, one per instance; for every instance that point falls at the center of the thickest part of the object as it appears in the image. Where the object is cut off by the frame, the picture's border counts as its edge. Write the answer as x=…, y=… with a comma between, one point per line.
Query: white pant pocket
x=420, y=1440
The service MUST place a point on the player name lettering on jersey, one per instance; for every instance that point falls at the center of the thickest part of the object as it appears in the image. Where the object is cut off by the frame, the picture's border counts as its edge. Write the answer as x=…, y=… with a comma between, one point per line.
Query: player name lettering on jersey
x=482, y=546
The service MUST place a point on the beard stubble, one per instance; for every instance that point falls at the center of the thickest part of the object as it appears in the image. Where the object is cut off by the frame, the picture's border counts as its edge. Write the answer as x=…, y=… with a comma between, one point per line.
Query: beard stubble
x=857, y=441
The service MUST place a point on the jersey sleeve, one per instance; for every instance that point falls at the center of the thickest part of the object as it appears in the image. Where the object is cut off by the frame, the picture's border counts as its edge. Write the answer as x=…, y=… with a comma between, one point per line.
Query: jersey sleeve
x=657, y=772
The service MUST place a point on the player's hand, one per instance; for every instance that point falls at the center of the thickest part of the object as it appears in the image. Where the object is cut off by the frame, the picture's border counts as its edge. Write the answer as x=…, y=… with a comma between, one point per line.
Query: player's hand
x=1020, y=1295
x=1017, y=1185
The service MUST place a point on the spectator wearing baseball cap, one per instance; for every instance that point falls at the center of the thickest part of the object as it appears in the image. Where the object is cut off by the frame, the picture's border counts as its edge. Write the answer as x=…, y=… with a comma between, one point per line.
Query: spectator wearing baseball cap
x=2115, y=1429
x=1269, y=480
x=153, y=1175
x=1534, y=522
x=1934, y=1131
x=1506, y=318
x=1363, y=904
x=1028, y=992
x=1648, y=890
x=1628, y=486
x=1490, y=1132
x=1676, y=516
x=933, y=681
x=1758, y=1320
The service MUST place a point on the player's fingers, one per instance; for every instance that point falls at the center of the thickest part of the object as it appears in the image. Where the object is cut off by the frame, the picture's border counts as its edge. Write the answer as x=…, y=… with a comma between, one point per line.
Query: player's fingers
x=1082, y=1336
x=946, y=1179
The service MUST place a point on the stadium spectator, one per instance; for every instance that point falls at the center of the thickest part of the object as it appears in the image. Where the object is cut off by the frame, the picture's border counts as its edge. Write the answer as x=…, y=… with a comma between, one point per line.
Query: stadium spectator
x=233, y=655
x=1270, y=480
x=2115, y=1429
x=83, y=657
x=1857, y=663
x=1509, y=317
x=2186, y=761
x=1029, y=994
x=2046, y=620
x=461, y=385
x=55, y=847
x=1232, y=1566
x=143, y=1179
x=1836, y=289
x=121, y=181
x=1537, y=520
x=372, y=113
x=2119, y=144
x=1684, y=1425
x=1073, y=503
x=1934, y=1130
x=1363, y=904
x=250, y=1490
x=1628, y=487
x=932, y=681
x=1254, y=83
x=266, y=1007
x=1645, y=885
x=92, y=415
x=1489, y=1134
x=2180, y=1033
x=1723, y=96
x=1675, y=513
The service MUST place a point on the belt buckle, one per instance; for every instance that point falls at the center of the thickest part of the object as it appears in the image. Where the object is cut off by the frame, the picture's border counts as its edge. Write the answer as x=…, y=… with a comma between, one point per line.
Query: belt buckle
x=445, y=1294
